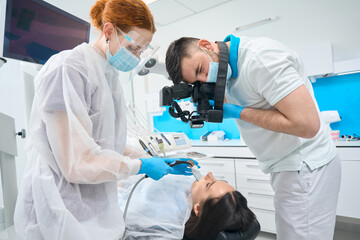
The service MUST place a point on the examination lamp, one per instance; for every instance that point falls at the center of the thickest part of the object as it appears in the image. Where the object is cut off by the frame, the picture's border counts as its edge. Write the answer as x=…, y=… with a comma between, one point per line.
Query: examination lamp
x=154, y=66
x=149, y=64
x=2, y=61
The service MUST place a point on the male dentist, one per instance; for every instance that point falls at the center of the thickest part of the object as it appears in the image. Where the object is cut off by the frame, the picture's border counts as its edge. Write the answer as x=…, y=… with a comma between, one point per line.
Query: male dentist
x=272, y=101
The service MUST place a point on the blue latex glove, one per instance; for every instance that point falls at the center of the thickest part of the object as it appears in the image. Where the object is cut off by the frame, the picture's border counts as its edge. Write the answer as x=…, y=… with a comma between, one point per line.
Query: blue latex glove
x=184, y=169
x=155, y=167
x=230, y=110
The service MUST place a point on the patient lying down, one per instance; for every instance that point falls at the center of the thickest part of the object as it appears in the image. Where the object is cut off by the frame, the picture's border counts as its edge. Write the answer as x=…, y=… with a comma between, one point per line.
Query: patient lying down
x=177, y=207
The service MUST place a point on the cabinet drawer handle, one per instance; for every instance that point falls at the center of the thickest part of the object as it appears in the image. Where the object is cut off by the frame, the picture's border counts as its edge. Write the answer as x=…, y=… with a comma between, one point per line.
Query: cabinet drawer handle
x=261, y=194
x=262, y=209
x=258, y=180
x=252, y=165
x=213, y=164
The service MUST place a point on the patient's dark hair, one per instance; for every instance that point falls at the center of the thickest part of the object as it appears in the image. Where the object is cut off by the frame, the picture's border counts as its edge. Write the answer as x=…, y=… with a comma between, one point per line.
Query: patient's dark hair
x=175, y=53
x=229, y=213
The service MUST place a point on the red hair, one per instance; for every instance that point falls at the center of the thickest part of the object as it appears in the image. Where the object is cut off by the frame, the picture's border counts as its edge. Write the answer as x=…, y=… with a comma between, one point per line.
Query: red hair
x=124, y=14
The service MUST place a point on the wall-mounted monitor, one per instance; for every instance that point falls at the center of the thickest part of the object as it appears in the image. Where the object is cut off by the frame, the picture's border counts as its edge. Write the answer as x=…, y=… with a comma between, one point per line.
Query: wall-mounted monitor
x=34, y=30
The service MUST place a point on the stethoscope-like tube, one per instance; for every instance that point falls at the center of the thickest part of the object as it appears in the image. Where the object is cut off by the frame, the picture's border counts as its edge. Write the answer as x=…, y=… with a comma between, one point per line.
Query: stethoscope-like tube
x=137, y=183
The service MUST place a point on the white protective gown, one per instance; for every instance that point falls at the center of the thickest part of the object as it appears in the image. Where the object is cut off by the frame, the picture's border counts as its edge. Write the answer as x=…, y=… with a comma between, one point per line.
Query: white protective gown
x=78, y=135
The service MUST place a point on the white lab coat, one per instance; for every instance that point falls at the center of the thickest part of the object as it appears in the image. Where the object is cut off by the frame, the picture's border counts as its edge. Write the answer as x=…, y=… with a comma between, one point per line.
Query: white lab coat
x=78, y=134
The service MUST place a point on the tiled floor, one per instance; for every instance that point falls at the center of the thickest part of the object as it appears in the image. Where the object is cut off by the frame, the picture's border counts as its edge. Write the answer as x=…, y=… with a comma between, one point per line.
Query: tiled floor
x=345, y=229
x=265, y=236
x=346, y=235
x=339, y=235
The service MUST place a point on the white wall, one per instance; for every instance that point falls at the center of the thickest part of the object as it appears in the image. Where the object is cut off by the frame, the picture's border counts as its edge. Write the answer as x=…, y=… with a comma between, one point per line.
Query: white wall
x=301, y=23
x=12, y=104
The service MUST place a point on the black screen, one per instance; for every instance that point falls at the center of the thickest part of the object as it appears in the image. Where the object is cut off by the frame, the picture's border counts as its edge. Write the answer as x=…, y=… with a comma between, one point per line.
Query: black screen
x=35, y=30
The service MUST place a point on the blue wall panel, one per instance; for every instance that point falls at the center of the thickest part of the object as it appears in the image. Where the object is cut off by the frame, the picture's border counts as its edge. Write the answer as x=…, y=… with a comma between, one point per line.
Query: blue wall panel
x=341, y=93
x=166, y=123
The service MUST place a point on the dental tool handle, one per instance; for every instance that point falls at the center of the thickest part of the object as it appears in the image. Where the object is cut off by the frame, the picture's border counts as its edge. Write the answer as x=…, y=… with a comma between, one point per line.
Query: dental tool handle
x=145, y=147
x=177, y=162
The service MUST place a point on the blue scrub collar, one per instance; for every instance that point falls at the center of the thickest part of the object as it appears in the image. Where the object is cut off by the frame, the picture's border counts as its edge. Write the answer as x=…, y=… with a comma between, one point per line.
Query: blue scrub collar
x=233, y=53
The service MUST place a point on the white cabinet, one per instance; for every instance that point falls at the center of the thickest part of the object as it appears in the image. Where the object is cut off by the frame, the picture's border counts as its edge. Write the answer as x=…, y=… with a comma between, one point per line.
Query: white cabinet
x=349, y=196
x=221, y=168
x=255, y=186
x=238, y=166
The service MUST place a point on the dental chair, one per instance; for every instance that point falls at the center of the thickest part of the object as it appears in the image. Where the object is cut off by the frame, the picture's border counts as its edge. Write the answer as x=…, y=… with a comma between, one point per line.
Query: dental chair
x=249, y=234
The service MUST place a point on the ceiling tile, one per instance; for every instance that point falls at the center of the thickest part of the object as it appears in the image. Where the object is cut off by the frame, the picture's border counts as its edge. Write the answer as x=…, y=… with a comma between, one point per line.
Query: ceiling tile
x=168, y=11
x=201, y=5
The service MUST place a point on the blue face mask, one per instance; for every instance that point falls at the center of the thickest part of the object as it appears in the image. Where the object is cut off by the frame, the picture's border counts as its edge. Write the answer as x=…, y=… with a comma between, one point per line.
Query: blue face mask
x=123, y=60
x=213, y=71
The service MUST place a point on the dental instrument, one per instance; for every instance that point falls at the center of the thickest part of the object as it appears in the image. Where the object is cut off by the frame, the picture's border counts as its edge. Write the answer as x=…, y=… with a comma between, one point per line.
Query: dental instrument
x=197, y=175
x=145, y=148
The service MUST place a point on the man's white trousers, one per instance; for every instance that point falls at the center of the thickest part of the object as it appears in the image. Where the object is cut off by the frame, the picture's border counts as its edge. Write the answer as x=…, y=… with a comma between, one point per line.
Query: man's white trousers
x=305, y=202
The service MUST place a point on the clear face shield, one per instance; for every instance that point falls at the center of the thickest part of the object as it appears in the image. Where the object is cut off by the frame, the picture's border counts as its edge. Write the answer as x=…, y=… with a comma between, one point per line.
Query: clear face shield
x=135, y=51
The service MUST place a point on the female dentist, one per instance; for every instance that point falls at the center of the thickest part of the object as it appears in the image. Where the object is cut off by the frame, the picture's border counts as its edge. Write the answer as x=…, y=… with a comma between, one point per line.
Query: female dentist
x=77, y=148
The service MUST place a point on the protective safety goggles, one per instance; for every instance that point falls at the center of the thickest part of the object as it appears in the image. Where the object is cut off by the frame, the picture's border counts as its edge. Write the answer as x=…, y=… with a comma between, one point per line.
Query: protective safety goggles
x=138, y=46
x=133, y=42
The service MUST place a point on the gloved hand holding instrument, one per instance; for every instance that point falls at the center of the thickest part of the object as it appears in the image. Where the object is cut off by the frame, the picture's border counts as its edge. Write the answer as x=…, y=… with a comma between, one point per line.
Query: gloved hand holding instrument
x=156, y=168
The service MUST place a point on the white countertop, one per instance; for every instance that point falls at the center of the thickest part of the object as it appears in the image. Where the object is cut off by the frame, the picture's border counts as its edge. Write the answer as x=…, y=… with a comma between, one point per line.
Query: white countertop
x=226, y=143
x=238, y=143
x=347, y=143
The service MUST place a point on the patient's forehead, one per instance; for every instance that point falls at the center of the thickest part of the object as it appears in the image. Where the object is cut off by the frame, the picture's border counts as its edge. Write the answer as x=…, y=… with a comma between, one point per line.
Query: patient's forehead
x=220, y=188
